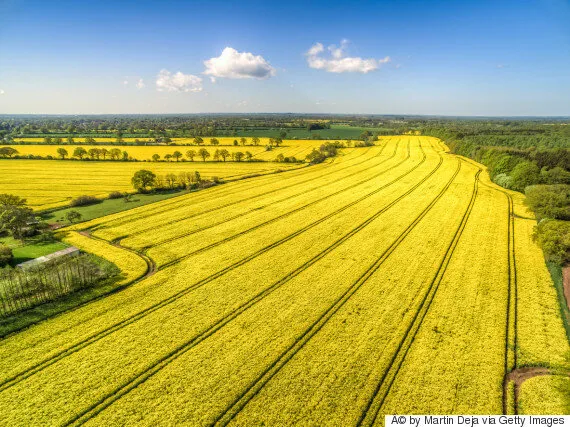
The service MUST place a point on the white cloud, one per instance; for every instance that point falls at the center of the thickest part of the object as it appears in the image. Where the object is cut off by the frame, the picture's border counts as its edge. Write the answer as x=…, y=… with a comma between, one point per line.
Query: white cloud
x=178, y=82
x=2, y=92
x=338, y=62
x=140, y=84
x=232, y=64
x=125, y=82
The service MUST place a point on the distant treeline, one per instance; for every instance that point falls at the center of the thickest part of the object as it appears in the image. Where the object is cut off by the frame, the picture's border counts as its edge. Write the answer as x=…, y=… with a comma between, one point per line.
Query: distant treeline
x=285, y=126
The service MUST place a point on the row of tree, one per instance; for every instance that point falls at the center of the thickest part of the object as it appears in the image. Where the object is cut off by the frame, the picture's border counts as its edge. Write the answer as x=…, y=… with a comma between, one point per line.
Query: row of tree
x=145, y=181
x=218, y=155
x=22, y=289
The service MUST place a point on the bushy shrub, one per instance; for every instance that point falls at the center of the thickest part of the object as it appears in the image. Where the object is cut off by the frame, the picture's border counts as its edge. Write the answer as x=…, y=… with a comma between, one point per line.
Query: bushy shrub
x=84, y=201
x=116, y=195
x=5, y=255
x=503, y=180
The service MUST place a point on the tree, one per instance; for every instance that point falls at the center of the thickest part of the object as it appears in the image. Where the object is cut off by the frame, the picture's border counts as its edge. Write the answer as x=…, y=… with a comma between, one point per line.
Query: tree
x=204, y=154
x=170, y=180
x=73, y=216
x=554, y=239
x=191, y=154
x=94, y=153
x=8, y=151
x=143, y=180
x=14, y=215
x=238, y=156
x=155, y=157
x=47, y=140
x=62, y=152
x=125, y=156
x=115, y=153
x=248, y=156
x=243, y=141
x=224, y=154
x=70, y=140
x=177, y=155
x=525, y=174
x=198, y=140
x=549, y=201
x=79, y=152
x=167, y=157
x=182, y=179
x=104, y=152
x=216, y=156
x=280, y=158
x=255, y=140
x=214, y=141
x=235, y=142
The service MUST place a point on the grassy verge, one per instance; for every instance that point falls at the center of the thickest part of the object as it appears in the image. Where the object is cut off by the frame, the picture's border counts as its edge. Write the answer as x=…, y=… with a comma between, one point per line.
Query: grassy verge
x=30, y=248
x=556, y=273
x=108, y=206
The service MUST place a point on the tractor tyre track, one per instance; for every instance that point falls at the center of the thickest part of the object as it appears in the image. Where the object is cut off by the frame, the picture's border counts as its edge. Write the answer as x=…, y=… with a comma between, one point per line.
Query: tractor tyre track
x=376, y=400
x=257, y=385
x=158, y=365
x=16, y=378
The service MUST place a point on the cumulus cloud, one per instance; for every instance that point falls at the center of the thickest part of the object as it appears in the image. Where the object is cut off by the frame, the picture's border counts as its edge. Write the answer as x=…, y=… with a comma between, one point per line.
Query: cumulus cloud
x=140, y=84
x=232, y=64
x=2, y=92
x=177, y=82
x=338, y=62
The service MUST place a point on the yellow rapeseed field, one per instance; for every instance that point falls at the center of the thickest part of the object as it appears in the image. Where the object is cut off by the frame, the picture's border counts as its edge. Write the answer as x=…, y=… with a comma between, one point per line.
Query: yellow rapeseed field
x=47, y=184
x=296, y=148
x=546, y=394
x=395, y=279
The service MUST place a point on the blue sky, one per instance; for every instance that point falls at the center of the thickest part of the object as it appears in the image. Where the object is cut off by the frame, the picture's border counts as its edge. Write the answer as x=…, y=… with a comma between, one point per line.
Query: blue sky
x=389, y=57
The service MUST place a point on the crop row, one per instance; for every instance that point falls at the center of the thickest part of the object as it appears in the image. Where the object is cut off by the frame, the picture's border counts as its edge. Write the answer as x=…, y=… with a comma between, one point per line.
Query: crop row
x=134, y=296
